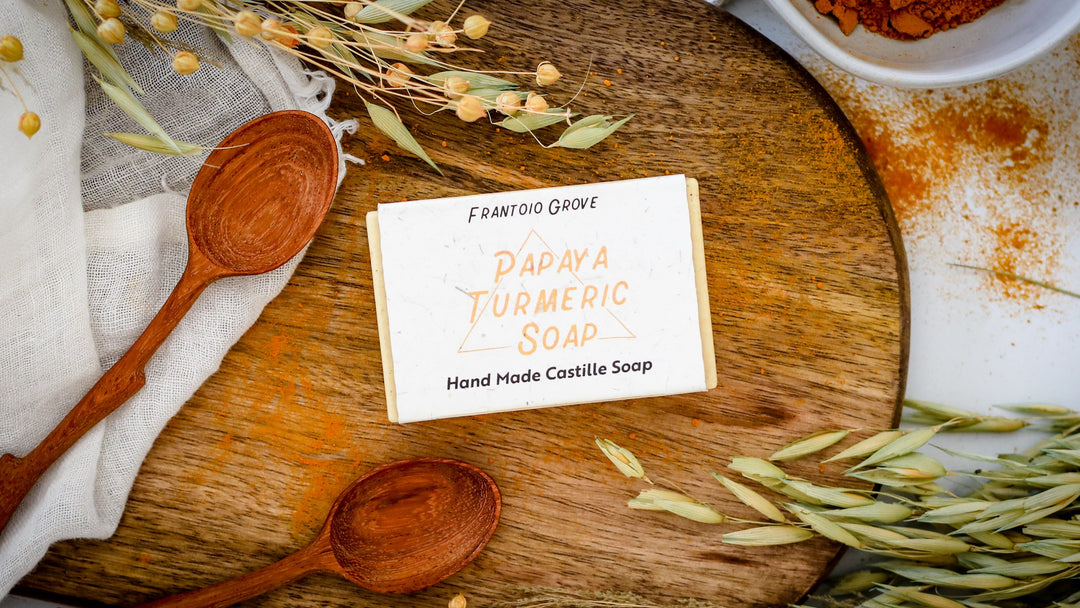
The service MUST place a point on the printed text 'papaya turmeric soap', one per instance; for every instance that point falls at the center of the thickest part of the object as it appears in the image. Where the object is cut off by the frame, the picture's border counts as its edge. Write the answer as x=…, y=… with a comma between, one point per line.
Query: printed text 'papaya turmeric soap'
x=515, y=300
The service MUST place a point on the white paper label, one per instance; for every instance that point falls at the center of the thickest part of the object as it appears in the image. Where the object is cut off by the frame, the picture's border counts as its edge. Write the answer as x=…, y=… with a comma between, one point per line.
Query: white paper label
x=527, y=299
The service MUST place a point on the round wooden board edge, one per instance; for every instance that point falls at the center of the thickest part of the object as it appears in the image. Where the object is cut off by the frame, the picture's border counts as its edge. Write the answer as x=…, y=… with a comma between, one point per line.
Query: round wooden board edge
x=896, y=239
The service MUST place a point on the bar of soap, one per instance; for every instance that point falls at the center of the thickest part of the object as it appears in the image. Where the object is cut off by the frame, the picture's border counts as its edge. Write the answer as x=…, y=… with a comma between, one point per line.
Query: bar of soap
x=557, y=296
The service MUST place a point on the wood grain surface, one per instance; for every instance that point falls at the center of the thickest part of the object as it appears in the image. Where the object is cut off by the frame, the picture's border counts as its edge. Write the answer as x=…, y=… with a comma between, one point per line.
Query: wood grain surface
x=808, y=293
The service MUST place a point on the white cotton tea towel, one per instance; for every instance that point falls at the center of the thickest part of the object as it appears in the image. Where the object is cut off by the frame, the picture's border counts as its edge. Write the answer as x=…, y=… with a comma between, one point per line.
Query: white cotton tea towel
x=92, y=240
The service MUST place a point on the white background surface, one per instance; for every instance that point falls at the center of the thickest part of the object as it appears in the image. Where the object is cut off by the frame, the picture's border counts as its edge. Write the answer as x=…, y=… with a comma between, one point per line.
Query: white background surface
x=972, y=346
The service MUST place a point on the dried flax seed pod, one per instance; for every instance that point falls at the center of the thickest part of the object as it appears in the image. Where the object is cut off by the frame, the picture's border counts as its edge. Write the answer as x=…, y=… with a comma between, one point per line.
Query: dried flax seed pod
x=288, y=36
x=470, y=109
x=247, y=23
x=455, y=86
x=442, y=33
x=111, y=31
x=476, y=26
x=416, y=43
x=107, y=8
x=188, y=5
x=11, y=49
x=29, y=123
x=164, y=21
x=185, y=63
x=508, y=103
x=273, y=30
x=320, y=37
x=270, y=29
x=536, y=104
x=546, y=74
x=398, y=75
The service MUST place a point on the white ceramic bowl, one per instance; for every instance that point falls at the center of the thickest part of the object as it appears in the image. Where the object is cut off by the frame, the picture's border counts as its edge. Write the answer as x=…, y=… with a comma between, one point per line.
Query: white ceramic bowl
x=1001, y=40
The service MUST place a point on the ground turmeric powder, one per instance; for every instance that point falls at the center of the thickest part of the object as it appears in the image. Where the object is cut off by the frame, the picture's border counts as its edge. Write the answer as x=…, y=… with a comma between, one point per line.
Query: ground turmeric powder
x=904, y=19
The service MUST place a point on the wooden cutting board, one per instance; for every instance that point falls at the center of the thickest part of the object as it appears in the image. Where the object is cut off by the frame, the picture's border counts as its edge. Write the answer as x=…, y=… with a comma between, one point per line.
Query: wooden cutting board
x=808, y=292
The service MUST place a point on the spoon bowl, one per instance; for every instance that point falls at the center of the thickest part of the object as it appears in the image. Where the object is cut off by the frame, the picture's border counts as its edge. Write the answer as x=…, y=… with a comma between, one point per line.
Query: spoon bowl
x=401, y=527
x=257, y=201
x=412, y=523
x=260, y=196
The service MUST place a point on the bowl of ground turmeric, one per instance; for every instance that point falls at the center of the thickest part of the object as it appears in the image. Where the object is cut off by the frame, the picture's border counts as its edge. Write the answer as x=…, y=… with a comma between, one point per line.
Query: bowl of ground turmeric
x=930, y=43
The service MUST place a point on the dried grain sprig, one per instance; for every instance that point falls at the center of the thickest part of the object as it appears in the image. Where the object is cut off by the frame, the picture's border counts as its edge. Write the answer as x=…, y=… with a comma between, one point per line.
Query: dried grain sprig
x=623, y=459
x=1042, y=410
x=905, y=444
x=135, y=109
x=767, y=535
x=1015, y=536
x=878, y=512
x=960, y=420
x=659, y=499
x=156, y=144
x=858, y=581
x=367, y=47
x=388, y=122
x=1011, y=275
x=810, y=444
x=694, y=511
x=866, y=446
x=589, y=131
x=919, y=597
x=824, y=526
x=751, y=498
x=819, y=495
x=646, y=499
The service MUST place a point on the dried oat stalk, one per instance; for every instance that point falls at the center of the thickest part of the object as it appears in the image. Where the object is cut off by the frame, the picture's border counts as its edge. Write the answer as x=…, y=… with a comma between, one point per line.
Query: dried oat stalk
x=1013, y=540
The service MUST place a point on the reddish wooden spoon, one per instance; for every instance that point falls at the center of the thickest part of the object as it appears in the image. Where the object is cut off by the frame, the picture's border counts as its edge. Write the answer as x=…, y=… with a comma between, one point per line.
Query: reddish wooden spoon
x=401, y=527
x=256, y=202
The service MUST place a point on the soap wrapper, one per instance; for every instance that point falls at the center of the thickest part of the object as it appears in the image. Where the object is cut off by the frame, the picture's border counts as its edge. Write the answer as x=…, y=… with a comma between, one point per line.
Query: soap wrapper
x=557, y=296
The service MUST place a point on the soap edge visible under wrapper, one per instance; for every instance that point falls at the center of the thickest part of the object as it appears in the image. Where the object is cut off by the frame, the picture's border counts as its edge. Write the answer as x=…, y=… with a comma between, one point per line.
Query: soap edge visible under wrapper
x=700, y=280
x=379, y=288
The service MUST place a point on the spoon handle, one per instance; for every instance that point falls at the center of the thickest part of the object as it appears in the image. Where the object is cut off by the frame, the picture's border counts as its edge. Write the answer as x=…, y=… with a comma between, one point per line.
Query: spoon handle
x=124, y=379
x=317, y=557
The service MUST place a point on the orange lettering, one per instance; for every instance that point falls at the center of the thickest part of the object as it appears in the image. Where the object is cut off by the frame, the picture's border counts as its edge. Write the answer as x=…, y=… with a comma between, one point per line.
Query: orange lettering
x=615, y=293
x=500, y=271
x=475, y=295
